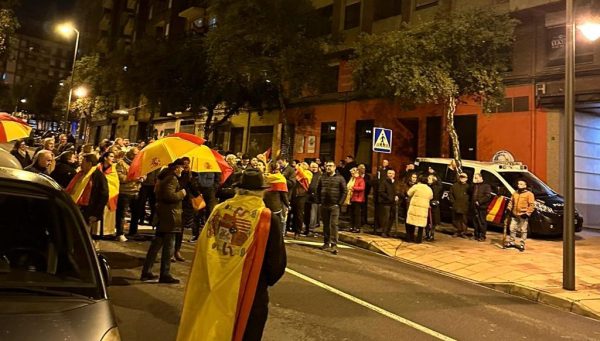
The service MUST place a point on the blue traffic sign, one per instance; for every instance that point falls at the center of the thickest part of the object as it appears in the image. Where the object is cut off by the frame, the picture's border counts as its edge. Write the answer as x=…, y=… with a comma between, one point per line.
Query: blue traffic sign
x=382, y=140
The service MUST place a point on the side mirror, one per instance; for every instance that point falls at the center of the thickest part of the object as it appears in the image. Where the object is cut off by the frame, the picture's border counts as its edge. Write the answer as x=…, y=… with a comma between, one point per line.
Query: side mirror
x=105, y=269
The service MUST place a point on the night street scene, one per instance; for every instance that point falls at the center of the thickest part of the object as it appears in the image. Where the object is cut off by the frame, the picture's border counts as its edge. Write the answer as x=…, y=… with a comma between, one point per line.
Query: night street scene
x=240, y=170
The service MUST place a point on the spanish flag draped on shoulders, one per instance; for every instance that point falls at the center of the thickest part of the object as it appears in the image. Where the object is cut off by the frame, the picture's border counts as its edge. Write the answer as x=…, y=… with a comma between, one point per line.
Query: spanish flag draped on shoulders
x=304, y=177
x=239, y=253
x=89, y=190
x=276, y=181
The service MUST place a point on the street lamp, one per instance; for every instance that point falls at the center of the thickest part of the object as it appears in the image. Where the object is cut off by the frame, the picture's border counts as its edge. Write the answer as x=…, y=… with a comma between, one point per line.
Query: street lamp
x=592, y=32
x=22, y=100
x=67, y=30
x=81, y=92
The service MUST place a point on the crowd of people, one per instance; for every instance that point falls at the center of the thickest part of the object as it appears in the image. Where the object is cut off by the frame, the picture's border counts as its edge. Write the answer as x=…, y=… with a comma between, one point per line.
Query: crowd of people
x=303, y=195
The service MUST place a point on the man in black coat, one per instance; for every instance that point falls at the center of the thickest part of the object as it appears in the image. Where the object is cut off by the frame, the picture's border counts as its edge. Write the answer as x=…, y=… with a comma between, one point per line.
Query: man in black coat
x=348, y=165
x=387, y=198
x=169, y=196
x=459, y=199
x=481, y=195
x=331, y=192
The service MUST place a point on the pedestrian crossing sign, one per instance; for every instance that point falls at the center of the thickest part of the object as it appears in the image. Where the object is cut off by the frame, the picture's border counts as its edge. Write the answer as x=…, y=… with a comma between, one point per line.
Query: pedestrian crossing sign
x=382, y=140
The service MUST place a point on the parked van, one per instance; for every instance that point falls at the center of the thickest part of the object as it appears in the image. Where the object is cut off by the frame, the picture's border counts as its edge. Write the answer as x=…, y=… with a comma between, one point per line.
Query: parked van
x=547, y=219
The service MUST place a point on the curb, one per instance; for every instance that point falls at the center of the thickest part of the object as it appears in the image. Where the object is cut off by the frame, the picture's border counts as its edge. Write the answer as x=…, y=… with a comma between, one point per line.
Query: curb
x=514, y=289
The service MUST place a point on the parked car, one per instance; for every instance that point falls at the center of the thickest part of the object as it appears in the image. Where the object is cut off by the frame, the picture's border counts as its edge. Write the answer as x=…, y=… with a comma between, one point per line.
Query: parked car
x=53, y=285
x=546, y=220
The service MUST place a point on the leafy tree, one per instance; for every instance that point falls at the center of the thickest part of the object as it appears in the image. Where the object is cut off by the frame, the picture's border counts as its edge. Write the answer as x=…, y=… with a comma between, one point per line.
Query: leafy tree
x=464, y=55
x=267, y=47
x=8, y=26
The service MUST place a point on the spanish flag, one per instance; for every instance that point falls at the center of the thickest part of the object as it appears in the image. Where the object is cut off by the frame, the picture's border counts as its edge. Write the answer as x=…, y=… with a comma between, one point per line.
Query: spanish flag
x=496, y=209
x=225, y=271
x=113, y=186
x=304, y=177
x=277, y=182
x=80, y=187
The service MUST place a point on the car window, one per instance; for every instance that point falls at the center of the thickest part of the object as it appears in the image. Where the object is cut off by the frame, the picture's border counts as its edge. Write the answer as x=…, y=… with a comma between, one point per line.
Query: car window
x=537, y=186
x=497, y=185
x=42, y=246
x=470, y=172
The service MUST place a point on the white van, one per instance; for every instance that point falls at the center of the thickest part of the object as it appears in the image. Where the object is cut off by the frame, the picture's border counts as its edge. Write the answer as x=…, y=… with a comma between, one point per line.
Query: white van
x=547, y=218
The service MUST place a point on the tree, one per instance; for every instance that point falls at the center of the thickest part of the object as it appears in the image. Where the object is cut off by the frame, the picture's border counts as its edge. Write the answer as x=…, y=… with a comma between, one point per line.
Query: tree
x=267, y=47
x=8, y=26
x=464, y=55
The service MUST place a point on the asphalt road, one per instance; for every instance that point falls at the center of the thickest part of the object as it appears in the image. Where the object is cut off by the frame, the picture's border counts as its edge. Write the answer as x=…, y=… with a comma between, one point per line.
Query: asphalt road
x=356, y=295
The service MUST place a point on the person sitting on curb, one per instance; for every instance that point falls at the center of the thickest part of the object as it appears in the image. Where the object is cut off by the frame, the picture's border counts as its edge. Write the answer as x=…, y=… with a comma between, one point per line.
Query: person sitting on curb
x=520, y=206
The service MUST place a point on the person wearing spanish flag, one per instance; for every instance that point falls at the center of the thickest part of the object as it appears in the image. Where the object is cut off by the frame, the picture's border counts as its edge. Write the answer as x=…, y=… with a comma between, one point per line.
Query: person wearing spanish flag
x=240, y=253
x=276, y=197
x=299, y=197
x=89, y=190
x=108, y=167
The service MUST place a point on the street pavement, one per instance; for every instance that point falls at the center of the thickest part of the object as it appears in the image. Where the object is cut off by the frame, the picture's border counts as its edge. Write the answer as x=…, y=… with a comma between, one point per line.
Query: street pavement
x=356, y=295
x=535, y=274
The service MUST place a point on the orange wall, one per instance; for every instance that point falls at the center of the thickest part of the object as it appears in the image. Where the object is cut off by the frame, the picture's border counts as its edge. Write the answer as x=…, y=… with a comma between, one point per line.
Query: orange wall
x=521, y=133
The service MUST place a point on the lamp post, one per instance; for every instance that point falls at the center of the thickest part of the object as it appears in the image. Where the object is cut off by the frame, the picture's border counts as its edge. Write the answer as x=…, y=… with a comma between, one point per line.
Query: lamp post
x=67, y=30
x=592, y=32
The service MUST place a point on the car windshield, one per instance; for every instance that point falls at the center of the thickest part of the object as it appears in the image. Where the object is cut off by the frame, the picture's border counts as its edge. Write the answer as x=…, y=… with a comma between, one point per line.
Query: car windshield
x=42, y=246
x=537, y=186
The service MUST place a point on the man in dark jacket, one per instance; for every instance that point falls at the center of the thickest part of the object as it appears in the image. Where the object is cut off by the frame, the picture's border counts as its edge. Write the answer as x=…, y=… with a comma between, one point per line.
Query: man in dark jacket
x=92, y=208
x=481, y=195
x=459, y=199
x=349, y=164
x=146, y=194
x=66, y=168
x=331, y=192
x=41, y=161
x=169, y=196
x=311, y=218
x=387, y=198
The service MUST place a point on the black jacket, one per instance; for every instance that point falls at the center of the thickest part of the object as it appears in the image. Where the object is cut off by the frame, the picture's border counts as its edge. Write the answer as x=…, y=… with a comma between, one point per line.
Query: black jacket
x=23, y=160
x=168, y=202
x=387, y=192
x=188, y=181
x=437, y=190
x=98, y=197
x=63, y=173
x=312, y=188
x=481, y=194
x=289, y=173
x=331, y=190
x=459, y=197
x=272, y=270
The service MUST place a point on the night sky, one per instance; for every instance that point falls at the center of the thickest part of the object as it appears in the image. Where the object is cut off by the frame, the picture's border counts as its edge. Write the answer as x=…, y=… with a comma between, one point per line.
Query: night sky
x=38, y=16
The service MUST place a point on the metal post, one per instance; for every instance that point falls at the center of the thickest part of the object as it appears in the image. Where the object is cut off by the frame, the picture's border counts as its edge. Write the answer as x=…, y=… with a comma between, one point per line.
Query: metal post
x=569, y=196
x=66, y=123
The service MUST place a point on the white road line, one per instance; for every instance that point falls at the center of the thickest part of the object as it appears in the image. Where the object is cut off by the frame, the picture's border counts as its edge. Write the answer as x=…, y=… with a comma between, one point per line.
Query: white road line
x=306, y=242
x=371, y=306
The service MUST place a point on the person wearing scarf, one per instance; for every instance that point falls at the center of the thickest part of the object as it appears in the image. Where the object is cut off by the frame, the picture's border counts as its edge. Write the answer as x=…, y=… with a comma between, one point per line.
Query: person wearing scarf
x=89, y=190
x=276, y=196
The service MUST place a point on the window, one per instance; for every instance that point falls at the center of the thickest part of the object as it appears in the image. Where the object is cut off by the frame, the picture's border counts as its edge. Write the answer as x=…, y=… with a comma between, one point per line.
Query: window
x=330, y=81
x=521, y=103
x=421, y=4
x=212, y=22
x=387, y=8
x=323, y=22
x=363, y=153
x=507, y=105
x=327, y=146
x=495, y=183
x=352, y=16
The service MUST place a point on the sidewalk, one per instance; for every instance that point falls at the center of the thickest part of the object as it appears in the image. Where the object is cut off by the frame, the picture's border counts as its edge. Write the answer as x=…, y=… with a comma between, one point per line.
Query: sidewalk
x=535, y=274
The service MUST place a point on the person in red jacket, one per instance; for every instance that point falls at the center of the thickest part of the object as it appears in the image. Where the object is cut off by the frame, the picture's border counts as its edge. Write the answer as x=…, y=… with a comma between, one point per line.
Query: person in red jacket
x=357, y=199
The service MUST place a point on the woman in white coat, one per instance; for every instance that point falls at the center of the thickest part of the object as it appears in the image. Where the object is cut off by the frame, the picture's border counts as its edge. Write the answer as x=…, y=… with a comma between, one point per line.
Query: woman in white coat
x=419, y=196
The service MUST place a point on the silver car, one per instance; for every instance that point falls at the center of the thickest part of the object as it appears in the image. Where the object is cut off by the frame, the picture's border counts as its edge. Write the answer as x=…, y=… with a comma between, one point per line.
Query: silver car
x=52, y=283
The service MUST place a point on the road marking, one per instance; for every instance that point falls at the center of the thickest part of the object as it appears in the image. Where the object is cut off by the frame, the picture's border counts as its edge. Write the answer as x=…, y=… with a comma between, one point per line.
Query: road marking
x=371, y=306
x=306, y=242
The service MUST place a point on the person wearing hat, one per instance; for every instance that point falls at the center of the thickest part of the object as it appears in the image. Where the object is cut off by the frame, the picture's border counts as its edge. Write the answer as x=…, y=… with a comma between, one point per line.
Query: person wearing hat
x=169, y=196
x=459, y=199
x=240, y=253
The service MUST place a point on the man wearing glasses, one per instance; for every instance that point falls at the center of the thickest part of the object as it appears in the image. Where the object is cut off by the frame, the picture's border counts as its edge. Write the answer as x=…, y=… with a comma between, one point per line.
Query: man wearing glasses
x=331, y=192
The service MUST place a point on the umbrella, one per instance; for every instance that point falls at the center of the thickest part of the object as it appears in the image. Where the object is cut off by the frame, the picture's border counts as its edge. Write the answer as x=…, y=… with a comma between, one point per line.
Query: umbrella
x=204, y=159
x=160, y=153
x=12, y=128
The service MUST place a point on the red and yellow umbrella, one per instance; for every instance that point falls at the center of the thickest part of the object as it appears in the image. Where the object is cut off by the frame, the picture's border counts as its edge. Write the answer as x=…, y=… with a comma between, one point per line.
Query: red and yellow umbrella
x=12, y=128
x=204, y=160
x=160, y=153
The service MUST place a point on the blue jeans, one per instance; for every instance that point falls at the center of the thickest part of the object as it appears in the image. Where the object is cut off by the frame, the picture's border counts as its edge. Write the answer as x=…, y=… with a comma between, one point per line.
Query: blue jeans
x=166, y=241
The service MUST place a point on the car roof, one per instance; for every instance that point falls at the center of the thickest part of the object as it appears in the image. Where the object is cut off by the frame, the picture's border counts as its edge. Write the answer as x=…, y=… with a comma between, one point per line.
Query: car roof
x=503, y=166
x=12, y=174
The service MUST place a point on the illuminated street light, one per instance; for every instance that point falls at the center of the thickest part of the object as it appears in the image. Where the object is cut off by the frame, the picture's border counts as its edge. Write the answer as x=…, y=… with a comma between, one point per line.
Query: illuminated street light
x=81, y=91
x=23, y=100
x=67, y=29
x=590, y=30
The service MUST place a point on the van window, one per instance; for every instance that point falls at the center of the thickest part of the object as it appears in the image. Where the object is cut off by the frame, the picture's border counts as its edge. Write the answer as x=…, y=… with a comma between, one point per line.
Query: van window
x=497, y=185
x=470, y=172
x=439, y=168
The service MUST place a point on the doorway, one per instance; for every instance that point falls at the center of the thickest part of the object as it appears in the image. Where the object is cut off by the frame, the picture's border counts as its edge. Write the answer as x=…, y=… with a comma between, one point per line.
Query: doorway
x=466, y=128
x=327, y=143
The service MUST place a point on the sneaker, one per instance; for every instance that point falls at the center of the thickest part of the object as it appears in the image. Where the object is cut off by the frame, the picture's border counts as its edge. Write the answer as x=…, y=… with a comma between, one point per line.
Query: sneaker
x=193, y=239
x=168, y=280
x=148, y=277
x=334, y=250
x=122, y=238
x=179, y=257
x=521, y=247
x=324, y=247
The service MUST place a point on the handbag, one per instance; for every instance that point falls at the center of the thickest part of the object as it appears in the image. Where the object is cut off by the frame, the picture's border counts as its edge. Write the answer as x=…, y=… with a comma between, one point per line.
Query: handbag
x=198, y=203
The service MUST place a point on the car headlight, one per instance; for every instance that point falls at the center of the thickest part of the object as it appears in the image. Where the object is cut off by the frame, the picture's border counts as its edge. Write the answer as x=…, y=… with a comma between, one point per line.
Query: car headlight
x=112, y=335
x=543, y=208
